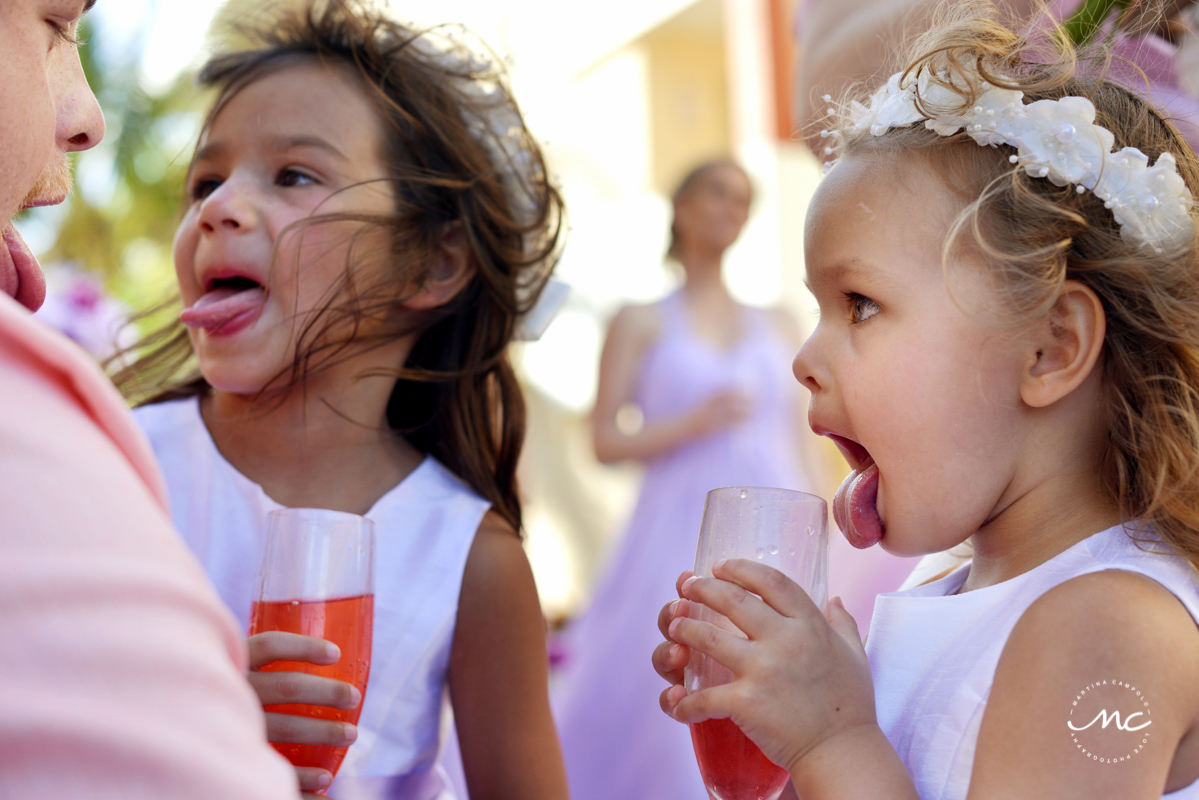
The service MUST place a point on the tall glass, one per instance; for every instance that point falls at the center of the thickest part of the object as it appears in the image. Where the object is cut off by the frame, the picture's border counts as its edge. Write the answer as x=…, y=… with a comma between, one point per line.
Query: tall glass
x=788, y=531
x=317, y=579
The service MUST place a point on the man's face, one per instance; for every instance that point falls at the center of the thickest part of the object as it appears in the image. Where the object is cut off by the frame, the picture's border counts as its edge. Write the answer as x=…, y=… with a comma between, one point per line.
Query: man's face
x=46, y=111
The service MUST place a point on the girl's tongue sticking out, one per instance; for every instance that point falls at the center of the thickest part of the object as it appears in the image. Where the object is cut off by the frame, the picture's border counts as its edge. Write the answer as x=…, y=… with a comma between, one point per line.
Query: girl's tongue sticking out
x=854, y=506
x=226, y=308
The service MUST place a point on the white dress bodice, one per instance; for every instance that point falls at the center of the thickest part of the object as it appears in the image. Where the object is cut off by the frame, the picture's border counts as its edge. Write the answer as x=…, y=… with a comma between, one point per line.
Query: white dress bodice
x=933, y=653
x=424, y=530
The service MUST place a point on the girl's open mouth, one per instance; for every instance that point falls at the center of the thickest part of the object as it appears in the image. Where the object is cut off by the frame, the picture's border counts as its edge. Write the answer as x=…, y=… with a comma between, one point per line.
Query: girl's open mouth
x=229, y=305
x=854, y=506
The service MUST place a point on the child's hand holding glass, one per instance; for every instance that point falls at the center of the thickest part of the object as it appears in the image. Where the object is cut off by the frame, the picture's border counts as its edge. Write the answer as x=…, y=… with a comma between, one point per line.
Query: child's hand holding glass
x=275, y=688
x=802, y=689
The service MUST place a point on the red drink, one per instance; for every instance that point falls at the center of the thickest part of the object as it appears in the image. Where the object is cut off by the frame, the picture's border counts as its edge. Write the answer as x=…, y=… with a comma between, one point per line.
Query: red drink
x=347, y=623
x=733, y=768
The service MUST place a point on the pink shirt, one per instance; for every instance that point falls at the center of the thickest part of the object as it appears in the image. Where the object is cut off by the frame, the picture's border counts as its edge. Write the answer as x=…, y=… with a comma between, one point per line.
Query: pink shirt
x=121, y=674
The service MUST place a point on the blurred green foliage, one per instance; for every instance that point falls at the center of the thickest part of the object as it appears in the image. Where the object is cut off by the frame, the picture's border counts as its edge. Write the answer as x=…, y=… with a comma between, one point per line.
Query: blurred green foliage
x=1088, y=19
x=121, y=217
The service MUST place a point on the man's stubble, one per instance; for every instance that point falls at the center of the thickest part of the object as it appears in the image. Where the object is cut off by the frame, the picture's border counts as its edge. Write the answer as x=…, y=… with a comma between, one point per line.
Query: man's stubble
x=52, y=185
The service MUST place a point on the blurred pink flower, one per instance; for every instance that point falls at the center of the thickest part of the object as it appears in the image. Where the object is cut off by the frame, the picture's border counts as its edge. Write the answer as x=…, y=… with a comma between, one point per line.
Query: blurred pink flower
x=78, y=306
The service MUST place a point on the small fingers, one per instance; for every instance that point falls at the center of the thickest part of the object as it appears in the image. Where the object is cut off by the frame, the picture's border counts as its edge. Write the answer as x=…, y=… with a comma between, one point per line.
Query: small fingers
x=670, y=659
x=727, y=649
x=313, y=779
x=683, y=578
x=713, y=703
x=670, y=698
x=276, y=688
x=271, y=646
x=675, y=608
x=293, y=729
x=777, y=590
x=845, y=626
x=742, y=608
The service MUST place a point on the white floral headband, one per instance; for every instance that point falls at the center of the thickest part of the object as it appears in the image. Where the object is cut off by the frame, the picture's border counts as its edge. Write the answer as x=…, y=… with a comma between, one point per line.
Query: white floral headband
x=1054, y=139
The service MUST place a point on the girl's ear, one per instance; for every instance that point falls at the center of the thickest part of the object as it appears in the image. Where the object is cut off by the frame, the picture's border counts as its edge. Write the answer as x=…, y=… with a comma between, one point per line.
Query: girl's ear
x=451, y=274
x=1065, y=347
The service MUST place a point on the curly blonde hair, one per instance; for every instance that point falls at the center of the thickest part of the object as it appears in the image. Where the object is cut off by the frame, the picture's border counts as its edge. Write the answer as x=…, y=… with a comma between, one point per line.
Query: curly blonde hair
x=1034, y=236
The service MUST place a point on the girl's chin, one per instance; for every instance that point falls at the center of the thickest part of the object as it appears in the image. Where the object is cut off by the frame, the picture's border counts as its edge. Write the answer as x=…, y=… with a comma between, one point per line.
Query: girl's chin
x=238, y=367
x=910, y=538
x=225, y=380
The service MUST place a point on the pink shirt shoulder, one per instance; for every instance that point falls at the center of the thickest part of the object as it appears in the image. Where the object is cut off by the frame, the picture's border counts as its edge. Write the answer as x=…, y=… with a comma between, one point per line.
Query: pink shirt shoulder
x=121, y=673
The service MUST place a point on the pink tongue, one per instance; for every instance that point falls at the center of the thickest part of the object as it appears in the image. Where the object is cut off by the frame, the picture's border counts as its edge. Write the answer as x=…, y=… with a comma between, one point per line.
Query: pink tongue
x=854, y=507
x=219, y=306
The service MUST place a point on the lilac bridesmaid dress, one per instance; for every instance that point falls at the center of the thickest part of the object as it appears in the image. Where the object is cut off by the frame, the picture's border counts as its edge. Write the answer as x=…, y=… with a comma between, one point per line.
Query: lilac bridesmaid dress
x=616, y=741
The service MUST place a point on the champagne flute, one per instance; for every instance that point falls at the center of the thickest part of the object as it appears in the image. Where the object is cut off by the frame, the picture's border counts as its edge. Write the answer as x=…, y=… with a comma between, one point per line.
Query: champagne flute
x=788, y=531
x=317, y=579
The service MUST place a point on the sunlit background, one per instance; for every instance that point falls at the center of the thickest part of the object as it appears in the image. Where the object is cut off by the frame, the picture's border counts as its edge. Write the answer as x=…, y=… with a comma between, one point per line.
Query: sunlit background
x=626, y=97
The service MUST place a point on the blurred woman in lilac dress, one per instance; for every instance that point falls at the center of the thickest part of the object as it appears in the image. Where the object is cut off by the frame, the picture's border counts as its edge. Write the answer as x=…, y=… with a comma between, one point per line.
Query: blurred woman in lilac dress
x=711, y=381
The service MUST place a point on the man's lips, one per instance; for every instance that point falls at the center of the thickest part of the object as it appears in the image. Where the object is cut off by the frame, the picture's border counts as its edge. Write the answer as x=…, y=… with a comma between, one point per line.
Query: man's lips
x=20, y=274
x=45, y=201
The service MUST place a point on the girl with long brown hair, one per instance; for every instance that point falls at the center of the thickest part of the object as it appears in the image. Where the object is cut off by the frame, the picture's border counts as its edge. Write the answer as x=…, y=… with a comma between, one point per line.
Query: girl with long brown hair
x=1007, y=267
x=368, y=224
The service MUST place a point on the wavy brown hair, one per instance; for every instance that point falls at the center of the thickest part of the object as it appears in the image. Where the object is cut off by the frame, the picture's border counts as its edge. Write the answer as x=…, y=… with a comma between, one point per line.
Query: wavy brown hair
x=1033, y=236
x=458, y=153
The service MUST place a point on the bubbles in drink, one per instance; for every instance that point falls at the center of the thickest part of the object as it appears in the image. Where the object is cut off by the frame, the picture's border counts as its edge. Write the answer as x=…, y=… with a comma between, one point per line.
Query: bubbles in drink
x=773, y=549
x=744, y=494
x=760, y=553
x=811, y=531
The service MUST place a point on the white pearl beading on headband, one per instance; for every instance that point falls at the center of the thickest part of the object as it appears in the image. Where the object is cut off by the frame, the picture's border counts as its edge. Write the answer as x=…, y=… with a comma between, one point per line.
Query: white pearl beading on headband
x=1054, y=139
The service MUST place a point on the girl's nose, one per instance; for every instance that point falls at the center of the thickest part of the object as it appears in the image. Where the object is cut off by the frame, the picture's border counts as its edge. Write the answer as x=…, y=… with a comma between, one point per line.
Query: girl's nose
x=228, y=208
x=806, y=365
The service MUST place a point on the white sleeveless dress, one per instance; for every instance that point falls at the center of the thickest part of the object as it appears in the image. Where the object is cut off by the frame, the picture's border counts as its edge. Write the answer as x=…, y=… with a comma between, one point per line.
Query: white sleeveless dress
x=424, y=530
x=933, y=653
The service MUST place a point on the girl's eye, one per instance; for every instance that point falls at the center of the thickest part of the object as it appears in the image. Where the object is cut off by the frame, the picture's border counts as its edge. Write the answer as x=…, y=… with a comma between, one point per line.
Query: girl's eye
x=204, y=187
x=291, y=177
x=861, y=308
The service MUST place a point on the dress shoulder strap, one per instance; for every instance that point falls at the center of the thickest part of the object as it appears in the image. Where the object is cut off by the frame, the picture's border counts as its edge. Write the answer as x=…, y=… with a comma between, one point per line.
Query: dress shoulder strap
x=1140, y=550
x=672, y=314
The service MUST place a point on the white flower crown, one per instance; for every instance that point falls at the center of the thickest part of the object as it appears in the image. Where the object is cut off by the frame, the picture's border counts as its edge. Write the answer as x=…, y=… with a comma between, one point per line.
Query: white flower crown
x=1054, y=139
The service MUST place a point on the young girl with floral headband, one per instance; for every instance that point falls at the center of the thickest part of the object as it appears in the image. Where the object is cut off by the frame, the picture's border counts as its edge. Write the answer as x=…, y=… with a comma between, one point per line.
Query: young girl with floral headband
x=1005, y=261
x=368, y=224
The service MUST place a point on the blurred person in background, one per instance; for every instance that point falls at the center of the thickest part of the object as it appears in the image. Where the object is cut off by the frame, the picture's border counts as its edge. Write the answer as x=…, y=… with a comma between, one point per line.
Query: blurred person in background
x=711, y=382
x=122, y=674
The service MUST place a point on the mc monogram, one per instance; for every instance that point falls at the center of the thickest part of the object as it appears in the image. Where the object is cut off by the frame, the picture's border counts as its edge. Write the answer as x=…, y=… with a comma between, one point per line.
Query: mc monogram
x=1121, y=733
x=1126, y=725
